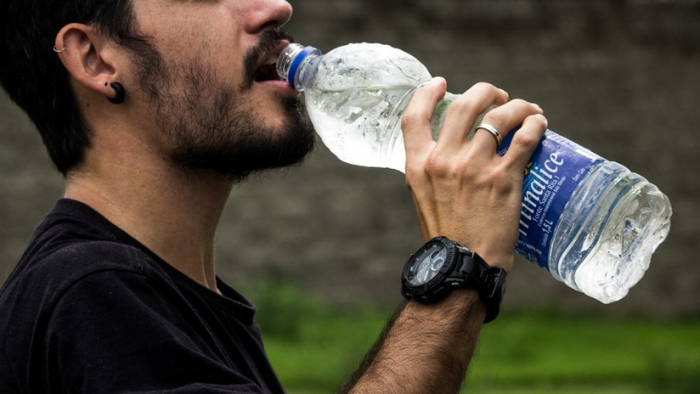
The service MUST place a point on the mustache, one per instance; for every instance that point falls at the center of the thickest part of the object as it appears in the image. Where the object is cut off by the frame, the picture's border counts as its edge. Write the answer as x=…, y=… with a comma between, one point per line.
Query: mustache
x=269, y=39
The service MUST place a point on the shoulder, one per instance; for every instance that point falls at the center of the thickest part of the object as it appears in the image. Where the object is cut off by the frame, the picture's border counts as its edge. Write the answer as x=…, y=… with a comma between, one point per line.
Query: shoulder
x=73, y=261
x=38, y=282
x=90, y=256
x=73, y=277
x=72, y=241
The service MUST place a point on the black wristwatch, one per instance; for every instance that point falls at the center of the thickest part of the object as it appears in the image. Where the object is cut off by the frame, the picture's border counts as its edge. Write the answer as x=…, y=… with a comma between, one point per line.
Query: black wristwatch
x=443, y=265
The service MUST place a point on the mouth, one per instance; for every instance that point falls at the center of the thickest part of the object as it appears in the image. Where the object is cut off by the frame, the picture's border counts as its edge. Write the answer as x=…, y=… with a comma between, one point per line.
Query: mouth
x=266, y=69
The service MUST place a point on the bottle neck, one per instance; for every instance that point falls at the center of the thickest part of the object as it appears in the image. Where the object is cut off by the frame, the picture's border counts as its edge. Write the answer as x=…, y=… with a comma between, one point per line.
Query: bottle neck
x=293, y=64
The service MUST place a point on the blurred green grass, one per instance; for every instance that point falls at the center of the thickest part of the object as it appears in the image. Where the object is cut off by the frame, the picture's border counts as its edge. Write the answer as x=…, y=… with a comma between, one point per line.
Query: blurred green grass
x=313, y=347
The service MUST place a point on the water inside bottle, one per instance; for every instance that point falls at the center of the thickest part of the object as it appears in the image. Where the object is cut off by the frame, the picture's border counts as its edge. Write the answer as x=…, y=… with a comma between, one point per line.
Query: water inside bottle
x=360, y=126
x=606, y=238
x=356, y=100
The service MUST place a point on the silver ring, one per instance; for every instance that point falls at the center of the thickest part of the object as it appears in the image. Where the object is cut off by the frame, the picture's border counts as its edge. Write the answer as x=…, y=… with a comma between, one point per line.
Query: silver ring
x=491, y=130
x=58, y=50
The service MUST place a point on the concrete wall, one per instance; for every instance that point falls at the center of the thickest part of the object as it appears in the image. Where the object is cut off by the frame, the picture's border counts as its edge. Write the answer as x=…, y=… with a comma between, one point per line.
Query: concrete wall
x=621, y=77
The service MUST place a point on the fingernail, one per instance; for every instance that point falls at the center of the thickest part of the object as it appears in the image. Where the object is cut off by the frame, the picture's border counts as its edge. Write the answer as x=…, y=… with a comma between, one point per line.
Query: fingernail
x=538, y=107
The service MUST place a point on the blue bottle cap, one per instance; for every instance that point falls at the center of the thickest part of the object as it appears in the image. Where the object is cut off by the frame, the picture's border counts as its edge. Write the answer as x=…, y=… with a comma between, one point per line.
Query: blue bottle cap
x=297, y=62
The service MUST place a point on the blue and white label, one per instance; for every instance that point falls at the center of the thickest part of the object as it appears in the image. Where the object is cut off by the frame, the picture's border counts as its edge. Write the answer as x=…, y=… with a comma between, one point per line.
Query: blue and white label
x=554, y=172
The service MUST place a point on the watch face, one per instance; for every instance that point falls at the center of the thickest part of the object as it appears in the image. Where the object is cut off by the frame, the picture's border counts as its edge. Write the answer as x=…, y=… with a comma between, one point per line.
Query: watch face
x=427, y=264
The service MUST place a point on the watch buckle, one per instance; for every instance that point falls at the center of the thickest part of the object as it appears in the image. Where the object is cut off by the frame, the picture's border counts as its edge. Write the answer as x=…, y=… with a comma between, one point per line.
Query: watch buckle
x=496, y=277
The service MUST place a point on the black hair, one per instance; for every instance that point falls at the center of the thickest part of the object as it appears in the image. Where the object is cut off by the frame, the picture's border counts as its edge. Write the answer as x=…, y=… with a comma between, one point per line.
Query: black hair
x=34, y=77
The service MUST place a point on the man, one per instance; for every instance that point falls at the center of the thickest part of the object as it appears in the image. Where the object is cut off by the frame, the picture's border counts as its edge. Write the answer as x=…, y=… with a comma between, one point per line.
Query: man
x=152, y=110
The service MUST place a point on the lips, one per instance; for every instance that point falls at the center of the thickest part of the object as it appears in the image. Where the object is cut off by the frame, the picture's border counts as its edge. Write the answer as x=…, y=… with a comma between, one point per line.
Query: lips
x=266, y=69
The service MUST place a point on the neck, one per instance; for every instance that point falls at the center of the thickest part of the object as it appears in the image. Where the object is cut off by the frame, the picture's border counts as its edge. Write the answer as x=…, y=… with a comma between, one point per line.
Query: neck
x=171, y=211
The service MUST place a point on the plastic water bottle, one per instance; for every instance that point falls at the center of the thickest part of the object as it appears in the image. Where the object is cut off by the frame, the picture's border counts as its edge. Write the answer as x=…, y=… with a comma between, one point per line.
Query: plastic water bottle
x=589, y=221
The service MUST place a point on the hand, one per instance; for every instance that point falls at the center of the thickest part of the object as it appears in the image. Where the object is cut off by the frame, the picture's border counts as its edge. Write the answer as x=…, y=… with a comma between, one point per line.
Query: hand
x=462, y=188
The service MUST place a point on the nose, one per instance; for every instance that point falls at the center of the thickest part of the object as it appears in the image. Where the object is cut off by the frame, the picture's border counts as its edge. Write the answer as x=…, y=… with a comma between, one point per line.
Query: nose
x=266, y=14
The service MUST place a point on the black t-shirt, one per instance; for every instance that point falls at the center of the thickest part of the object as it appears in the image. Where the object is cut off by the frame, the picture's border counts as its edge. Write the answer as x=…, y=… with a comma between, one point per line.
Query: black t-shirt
x=88, y=309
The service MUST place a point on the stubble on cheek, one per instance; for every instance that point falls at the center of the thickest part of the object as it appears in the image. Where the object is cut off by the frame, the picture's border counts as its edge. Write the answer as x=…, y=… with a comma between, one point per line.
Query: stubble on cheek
x=211, y=125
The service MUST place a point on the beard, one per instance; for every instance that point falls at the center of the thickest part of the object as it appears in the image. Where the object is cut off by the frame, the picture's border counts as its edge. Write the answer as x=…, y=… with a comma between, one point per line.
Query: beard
x=204, y=123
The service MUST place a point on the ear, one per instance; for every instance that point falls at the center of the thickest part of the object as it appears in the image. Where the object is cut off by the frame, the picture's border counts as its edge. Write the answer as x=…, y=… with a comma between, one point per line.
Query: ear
x=88, y=57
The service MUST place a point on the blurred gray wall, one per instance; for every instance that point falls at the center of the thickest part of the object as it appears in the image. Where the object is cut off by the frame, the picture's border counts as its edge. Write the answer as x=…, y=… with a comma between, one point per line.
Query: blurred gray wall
x=620, y=77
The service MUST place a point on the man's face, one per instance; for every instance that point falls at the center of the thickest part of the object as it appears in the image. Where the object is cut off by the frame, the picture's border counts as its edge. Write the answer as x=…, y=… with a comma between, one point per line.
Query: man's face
x=203, y=73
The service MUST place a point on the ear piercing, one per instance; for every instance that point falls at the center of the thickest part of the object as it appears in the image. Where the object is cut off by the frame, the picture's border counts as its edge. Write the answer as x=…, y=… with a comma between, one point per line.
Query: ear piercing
x=119, y=93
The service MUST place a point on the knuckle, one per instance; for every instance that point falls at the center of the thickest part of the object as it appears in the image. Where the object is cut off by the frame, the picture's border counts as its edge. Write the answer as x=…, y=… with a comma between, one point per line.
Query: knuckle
x=483, y=178
x=498, y=180
x=483, y=85
x=525, y=140
x=409, y=119
x=485, y=181
x=496, y=118
x=437, y=167
x=450, y=167
x=539, y=121
x=463, y=104
x=521, y=103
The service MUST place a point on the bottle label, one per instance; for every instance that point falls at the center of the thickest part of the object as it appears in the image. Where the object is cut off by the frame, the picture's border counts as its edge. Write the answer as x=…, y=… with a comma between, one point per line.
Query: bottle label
x=554, y=172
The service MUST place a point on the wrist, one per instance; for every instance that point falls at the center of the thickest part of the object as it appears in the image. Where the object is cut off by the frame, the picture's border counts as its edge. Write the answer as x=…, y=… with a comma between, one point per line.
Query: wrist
x=502, y=260
x=459, y=308
x=496, y=255
x=441, y=266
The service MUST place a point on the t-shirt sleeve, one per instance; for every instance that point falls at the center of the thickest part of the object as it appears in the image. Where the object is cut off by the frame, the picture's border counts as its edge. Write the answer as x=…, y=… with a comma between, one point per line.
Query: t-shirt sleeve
x=121, y=331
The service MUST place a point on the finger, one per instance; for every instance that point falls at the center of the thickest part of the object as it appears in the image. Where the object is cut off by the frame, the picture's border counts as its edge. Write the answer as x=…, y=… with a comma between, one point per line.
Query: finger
x=525, y=141
x=464, y=111
x=415, y=123
x=503, y=119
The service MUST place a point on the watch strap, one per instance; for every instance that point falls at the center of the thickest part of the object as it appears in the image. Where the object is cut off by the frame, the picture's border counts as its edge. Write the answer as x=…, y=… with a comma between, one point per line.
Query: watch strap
x=489, y=281
x=468, y=270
